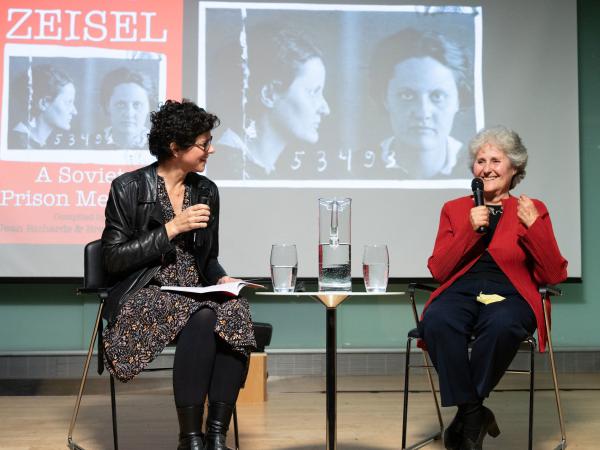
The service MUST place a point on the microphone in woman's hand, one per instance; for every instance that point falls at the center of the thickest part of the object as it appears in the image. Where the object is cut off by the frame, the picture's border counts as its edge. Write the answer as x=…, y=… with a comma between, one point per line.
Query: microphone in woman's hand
x=477, y=188
x=202, y=200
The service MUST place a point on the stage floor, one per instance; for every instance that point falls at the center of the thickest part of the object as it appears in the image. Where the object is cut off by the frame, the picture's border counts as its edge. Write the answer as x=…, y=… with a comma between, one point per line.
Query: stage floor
x=36, y=415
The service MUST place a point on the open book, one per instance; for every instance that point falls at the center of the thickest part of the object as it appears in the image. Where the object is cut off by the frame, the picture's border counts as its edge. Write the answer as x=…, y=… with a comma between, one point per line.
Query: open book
x=226, y=288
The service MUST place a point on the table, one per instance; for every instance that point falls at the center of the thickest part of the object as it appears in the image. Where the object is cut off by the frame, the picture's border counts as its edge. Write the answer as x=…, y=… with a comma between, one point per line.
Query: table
x=331, y=300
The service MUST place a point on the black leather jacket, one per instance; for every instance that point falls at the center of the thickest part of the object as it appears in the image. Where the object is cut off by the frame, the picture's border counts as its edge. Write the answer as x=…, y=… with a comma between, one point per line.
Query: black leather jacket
x=134, y=241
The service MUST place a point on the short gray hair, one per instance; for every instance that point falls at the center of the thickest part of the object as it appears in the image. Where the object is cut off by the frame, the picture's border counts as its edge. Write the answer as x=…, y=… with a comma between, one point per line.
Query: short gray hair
x=509, y=142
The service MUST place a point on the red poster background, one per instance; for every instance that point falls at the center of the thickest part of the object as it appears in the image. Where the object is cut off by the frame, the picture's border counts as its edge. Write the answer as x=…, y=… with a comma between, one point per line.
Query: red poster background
x=63, y=203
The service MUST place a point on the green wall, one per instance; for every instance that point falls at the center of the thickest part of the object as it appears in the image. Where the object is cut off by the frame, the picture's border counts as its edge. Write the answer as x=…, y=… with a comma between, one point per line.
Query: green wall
x=53, y=318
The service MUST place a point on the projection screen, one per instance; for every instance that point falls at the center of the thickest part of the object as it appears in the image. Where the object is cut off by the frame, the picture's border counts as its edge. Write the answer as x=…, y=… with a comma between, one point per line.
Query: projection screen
x=354, y=121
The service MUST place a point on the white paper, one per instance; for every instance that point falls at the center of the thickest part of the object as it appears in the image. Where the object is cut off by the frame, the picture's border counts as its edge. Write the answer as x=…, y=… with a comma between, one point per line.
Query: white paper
x=233, y=288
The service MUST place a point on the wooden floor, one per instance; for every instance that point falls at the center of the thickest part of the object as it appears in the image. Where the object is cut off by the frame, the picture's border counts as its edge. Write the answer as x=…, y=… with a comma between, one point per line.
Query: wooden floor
x=293, y=418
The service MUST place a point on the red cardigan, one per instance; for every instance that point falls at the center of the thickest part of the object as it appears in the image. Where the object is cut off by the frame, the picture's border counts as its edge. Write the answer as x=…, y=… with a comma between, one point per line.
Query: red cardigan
x=529, y=257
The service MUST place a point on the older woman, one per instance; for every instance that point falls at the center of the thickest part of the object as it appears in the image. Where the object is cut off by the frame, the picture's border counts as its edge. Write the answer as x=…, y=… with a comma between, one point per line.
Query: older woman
x=422, y=79
x=489, y=284
x=159, y=232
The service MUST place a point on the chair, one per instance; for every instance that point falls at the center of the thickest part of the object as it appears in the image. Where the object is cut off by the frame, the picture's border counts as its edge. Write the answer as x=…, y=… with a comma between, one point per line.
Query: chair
x=95, y=282
x=528, y=344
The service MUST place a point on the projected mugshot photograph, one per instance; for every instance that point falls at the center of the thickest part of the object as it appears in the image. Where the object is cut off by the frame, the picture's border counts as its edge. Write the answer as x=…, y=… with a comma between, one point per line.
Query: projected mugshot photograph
x=47, y=98
x=405, y=94
x=421, y=80
x=76, y=106
x=286, y=77
x=127, y=97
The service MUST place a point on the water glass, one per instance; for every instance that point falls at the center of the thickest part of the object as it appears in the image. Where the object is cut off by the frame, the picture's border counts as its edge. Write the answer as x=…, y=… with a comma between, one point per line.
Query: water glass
x=376, y=266
x=284, y=267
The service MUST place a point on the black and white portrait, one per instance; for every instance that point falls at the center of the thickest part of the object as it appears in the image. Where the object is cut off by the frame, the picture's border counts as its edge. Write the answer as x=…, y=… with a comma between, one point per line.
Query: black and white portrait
x=91, y=107
x=387, y=95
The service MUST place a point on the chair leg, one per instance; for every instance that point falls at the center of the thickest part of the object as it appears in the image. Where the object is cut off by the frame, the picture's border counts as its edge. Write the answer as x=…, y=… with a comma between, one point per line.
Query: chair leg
x=405, y=402
x=236, y=435
x=427, y=366
x=563, y=435
x=113, y=407
x=86, y=366
x=531, y=390
x=100, y=349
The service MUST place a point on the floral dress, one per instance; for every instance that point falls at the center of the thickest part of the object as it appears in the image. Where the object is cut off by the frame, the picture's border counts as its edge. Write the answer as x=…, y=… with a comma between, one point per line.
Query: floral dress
x=150, y=318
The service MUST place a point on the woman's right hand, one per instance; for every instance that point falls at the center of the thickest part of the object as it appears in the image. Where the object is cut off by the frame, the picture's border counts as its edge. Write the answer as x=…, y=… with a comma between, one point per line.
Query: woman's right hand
x=480, y=216
x=192, y=218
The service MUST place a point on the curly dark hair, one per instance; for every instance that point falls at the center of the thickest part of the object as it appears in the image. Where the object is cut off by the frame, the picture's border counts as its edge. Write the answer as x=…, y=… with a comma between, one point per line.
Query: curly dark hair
x=178, y=122
x=411, y=43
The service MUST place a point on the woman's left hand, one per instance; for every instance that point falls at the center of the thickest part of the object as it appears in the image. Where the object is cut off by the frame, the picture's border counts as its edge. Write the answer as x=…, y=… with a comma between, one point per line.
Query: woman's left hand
x=227, y=279
x=526, y=211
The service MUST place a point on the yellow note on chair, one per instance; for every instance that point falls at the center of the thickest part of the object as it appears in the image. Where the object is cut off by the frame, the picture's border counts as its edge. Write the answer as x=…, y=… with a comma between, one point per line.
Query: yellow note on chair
x=486, y=299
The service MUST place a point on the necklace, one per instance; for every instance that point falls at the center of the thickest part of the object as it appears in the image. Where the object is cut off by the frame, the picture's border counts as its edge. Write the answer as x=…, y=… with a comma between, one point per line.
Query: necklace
x=176, y=199
x=495, y=209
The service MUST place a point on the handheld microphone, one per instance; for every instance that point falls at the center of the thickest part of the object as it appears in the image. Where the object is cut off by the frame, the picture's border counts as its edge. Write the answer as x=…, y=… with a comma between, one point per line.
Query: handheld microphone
x=202, y=200
x=477, y=188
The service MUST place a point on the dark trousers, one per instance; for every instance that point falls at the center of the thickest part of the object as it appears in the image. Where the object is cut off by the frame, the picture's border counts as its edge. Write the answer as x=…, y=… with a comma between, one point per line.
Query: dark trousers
x=450, y=322
x=205, y=365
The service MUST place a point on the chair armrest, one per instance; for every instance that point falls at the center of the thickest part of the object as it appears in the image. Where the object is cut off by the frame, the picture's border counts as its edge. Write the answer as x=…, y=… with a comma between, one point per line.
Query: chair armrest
x=548, y=289
x=412, y=287
x=102, y=292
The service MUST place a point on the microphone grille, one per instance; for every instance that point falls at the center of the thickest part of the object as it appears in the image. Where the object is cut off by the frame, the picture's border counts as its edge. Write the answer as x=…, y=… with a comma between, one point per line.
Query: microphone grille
x=477, y=184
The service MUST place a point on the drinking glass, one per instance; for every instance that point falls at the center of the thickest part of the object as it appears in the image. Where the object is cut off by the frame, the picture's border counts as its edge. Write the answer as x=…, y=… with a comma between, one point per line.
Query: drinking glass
x=376, y=266
x=284, y=267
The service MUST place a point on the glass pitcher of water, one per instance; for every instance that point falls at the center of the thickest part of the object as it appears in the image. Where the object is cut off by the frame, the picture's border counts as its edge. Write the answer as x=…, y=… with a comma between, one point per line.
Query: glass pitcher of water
x=334, y=244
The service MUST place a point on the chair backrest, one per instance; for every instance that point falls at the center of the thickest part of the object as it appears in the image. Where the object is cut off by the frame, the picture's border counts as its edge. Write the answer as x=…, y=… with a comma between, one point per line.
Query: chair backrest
x=94, y=276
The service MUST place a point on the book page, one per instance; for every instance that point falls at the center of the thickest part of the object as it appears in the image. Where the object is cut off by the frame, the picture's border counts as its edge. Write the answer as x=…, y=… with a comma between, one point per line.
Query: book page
x=233, y=288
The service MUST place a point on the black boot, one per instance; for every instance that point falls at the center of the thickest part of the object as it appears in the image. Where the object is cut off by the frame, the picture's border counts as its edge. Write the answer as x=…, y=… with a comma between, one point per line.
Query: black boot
x=488, y=425
x=453, y=433
x=190, y=428
x=217, y=424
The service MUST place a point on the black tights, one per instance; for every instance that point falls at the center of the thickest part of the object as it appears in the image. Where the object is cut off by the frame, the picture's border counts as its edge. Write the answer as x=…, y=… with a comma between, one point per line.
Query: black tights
x=204, y=364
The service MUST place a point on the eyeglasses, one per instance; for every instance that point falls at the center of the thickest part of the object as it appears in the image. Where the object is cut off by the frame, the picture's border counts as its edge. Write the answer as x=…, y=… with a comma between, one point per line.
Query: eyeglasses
x=204, y=147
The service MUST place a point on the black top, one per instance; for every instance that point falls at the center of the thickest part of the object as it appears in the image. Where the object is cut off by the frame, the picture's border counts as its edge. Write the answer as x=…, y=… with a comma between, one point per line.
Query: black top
x=486, y=267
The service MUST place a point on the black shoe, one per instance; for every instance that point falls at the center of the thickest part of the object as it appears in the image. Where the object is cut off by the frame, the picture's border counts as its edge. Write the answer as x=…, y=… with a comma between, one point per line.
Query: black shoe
x=488, y=426
x=190, y=428
x=217, y=424
x=453, y=433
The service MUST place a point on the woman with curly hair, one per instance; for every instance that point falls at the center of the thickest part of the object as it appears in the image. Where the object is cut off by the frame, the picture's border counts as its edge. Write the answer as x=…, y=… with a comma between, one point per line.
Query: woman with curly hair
x=162, y=224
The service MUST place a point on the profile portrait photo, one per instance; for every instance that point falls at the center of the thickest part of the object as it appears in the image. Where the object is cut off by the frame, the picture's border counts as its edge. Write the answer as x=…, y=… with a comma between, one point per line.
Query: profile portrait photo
x=337, y=93
x=91, y=106
x=285, y=107
x=47, y=107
